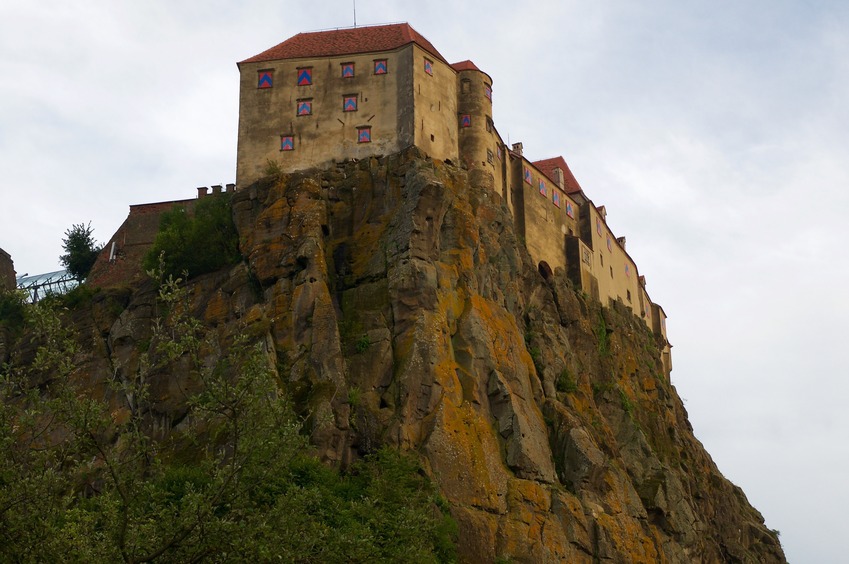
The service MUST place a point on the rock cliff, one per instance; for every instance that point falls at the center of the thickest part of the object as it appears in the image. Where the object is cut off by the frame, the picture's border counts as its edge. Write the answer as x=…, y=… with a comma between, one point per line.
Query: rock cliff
x=400, y=308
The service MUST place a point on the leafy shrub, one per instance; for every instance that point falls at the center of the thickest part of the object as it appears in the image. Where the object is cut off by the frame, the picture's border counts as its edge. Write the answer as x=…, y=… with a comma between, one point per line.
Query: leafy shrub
x=197, y=243
x=80, y=250
x=565, y=383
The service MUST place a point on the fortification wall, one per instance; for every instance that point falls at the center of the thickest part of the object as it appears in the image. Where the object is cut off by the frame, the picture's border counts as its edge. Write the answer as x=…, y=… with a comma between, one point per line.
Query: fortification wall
x=550, y=215
x=304, y=113
x=7, y=271
x=434, y=106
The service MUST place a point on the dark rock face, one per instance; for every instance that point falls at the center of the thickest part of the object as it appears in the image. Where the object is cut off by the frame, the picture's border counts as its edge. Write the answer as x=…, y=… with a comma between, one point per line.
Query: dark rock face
x=400, y=309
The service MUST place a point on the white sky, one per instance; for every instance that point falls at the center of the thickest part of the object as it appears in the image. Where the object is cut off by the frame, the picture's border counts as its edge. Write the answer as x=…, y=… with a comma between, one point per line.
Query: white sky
x=716, y=133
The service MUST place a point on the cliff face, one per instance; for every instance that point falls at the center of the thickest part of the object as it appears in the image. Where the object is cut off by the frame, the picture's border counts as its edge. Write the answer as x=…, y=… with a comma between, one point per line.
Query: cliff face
x=401, y=309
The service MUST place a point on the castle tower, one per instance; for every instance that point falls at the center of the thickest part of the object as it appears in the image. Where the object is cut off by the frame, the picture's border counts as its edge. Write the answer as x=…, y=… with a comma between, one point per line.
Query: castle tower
x=481, y=148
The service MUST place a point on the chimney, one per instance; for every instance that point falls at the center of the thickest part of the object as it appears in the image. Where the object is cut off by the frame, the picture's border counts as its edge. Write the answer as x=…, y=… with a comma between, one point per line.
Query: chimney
x=517, y=148
x=202, y=191
x=621, y=241
x=231, y=187
x=558, y=178
x=216, y=189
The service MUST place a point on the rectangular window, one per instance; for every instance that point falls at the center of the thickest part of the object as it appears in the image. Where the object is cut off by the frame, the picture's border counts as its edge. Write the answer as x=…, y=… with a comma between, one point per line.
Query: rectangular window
x=287, y=142
x=627, y=270
x=555, y=197
x=428, y=66
x=265, y=78
x=569, y=211
x=628, y=294
x=364, y=134
x=465, y=120
x=609, y=246
x=489, y=156
x=500, y=152
x=527, y=175
x=598, y=226
x=489, y=124
x=305, y=107
x=347, y=70
x=465, y=86
x=381, y=66
x=487, y=91
x=304, y=76
x=585, y=256
x=349, y=103
x=542, y=188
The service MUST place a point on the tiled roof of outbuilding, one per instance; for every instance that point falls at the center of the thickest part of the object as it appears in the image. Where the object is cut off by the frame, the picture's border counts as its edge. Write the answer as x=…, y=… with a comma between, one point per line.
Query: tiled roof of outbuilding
x=547, y=166
x=347, y=41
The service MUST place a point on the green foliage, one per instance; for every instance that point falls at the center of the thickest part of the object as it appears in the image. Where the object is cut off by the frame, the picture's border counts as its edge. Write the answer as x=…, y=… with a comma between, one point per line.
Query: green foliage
x=601, y=334
x=565, y=383
x=354, y=396
x=197, y=243
x=81, y=482
x=80, y=250
x=536, y=357
x=12, y=310
x=627, y=406
x=362, y=344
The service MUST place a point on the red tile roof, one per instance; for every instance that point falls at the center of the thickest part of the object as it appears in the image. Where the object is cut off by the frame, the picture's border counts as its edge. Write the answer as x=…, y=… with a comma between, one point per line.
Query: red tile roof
x=547, y=166
x=465, y=65
x=347, y=41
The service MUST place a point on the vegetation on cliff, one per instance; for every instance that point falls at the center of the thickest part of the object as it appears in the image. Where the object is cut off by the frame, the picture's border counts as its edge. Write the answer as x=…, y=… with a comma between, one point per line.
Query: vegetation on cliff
x=196, y=243
x=85, y=476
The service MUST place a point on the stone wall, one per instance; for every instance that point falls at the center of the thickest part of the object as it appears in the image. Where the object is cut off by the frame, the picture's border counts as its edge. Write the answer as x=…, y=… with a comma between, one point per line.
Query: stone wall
x=7, y=271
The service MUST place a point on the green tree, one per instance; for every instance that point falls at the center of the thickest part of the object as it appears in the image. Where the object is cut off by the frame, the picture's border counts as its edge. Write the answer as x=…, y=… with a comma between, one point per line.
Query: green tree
x=236, y=482
x=202, y=241
x=80, y=250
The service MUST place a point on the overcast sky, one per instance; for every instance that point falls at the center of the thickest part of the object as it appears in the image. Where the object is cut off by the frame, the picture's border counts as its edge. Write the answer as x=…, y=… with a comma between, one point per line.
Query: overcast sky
x=715, y=132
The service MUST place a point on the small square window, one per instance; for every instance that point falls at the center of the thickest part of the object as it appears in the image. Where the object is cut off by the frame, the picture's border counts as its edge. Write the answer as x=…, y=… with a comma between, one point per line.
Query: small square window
x=347, y=70
x=349, y=103
x=555, y=197
x=364, y=134
x=305, y=107
x=428, y=66
x=265, y=78
x=465, y=120
x=304, y=76
x=487, y=91
x=527, y=175
x=381, y=66
x=287, y=142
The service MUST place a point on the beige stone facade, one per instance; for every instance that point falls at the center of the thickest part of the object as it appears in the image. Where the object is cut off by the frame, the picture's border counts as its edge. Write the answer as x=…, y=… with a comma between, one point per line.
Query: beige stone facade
x=353, y=93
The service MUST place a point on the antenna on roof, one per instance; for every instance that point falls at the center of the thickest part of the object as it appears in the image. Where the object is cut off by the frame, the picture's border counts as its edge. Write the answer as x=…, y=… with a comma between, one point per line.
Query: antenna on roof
x=355, y=13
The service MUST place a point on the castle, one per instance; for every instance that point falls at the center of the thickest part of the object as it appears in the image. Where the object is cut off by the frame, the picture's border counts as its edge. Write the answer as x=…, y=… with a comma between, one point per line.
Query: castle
x=357, y=92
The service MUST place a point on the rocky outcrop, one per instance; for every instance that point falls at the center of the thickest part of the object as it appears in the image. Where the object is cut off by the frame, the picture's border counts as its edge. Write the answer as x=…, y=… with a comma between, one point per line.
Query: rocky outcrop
x=400, y=309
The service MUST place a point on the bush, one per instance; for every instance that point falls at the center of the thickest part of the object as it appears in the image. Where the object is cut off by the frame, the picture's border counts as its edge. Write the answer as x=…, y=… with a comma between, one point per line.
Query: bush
x=80, y=250
x=197, y=243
